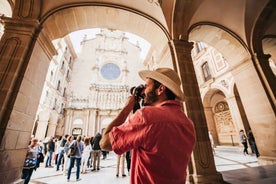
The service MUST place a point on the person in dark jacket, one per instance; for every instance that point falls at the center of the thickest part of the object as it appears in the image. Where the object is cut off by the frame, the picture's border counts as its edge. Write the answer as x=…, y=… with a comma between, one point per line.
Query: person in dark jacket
x=96, y=151
x=33, y=150
x=253, y=143
x=50, y=146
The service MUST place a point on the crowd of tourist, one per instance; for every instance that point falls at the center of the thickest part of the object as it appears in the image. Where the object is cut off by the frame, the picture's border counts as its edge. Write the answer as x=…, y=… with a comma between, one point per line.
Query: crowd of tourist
x=57, y=154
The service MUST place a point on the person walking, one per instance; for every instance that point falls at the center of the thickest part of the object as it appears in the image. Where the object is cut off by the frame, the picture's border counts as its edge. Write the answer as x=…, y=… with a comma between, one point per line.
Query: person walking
x=70, y=138
x=96, y=151
x=252, y=142
x=78, y=146
x=128, y=161
x=50, y=147
x=243, y=140
x=32, y=153
x=159, y=134
x=85, y=155
x=121, y=162
x=57, y=149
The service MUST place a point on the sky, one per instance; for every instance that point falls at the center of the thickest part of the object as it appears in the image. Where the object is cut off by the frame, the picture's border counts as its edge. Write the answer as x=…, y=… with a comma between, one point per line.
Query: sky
x=77, y=36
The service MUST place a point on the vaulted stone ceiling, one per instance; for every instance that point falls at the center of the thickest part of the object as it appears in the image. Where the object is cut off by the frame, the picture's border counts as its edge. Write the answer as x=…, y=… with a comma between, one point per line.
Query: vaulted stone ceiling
x=159, y=21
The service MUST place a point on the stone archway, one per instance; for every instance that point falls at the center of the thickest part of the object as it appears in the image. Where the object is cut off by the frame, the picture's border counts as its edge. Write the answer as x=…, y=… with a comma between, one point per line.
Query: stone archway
x=243, y=68
x=28, y=51
x=219, y=118
x=22, y=41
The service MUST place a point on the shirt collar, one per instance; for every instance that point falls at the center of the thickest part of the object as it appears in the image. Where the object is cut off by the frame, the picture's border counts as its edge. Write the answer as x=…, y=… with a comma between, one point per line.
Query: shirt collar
x=169, y=102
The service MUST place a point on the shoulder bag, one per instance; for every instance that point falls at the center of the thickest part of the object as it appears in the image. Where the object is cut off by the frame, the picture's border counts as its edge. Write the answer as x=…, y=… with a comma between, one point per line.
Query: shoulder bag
x=73, y=149
x=30, y=163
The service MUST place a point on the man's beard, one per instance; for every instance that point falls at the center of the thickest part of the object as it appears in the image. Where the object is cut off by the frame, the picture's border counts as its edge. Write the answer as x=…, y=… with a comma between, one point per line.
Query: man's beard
x=150, y=98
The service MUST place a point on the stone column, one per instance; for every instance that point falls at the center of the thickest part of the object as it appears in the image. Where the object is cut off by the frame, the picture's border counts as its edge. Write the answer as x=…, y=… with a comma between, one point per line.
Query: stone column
x=91, y=122
x=235, y=113
x=211, y=123
x=96, y=121
x=268, y=77
x=52, y=124
x=42, y=124
x=203, y=168
x=239, y=119
x=67, y=121
x=16, y=46
x=19, y=36
x=86, y=122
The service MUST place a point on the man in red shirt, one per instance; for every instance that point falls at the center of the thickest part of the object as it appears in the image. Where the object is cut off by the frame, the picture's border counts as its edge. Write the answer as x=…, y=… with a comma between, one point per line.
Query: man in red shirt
x=160, y=135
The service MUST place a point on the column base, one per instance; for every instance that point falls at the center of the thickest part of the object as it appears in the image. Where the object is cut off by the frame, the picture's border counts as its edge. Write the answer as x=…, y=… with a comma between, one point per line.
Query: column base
x=211, y=179
x=266, y=160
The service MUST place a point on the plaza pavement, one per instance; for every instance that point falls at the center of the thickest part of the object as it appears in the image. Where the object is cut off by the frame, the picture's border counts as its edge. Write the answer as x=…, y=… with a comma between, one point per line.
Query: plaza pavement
x=230, y=162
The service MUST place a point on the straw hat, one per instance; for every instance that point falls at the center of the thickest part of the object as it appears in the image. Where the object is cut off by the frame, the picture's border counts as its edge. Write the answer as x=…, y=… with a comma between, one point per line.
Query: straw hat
x=167, y=77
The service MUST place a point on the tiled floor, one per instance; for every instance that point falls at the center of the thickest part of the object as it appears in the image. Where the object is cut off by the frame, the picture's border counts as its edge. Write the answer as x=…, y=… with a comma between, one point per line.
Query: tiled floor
x=230, y=162
x=237, y=168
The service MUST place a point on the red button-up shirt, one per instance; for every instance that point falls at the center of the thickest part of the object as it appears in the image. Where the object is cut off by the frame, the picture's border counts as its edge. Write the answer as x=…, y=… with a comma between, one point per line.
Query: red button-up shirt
x=161, y=139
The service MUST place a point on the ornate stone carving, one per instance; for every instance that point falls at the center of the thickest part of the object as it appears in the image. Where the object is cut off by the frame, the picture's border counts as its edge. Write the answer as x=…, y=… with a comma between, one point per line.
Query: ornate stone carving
x=224, y=83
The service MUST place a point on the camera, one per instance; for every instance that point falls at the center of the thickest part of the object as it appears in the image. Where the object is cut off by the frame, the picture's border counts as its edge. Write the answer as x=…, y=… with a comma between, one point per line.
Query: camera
x=138, y=91
x=138, y=95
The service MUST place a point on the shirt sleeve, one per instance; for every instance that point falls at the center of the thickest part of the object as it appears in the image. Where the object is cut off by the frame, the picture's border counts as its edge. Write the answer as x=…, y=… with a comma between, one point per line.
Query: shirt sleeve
x=129, y=135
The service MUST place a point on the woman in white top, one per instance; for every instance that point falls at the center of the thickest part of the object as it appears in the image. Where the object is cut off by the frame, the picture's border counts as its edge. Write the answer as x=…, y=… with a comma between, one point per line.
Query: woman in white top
x=66, y=151
x=85, y=155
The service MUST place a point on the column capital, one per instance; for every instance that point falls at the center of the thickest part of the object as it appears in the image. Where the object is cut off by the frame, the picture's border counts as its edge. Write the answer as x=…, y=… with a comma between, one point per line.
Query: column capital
x=21, y=26
x=182, y=44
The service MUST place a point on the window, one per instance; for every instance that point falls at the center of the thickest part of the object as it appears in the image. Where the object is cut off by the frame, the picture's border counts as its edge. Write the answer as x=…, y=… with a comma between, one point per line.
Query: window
x=110, y=71
x=206, y=71
x=55, y=104
x=58, y=86
x=62, y=66
x=61, y=109
x=64, y=92
x=52, y=76
x=67, y=75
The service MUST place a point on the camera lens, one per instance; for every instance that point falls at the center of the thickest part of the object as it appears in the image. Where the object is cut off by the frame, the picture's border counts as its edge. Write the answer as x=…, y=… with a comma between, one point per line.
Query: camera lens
x=138, y=90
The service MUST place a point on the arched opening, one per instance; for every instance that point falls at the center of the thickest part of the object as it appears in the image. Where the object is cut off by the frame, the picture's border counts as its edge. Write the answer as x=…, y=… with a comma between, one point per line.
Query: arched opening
x=77, y=16
x=223, y=108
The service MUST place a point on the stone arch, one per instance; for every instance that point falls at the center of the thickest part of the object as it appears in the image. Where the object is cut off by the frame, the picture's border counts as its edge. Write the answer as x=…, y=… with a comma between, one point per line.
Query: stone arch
x=228, y=43
x=218, y=120
x=57, y=23
x=248, y=72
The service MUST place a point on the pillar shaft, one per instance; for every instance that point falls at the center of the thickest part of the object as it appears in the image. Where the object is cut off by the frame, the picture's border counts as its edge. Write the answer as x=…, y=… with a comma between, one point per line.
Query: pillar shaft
x=41, y=129
x=203, y=168
x=236, y=114
x=211, y=124
x=269, y=78
x=52, y=126
x=43, y=119
x=16, y=46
